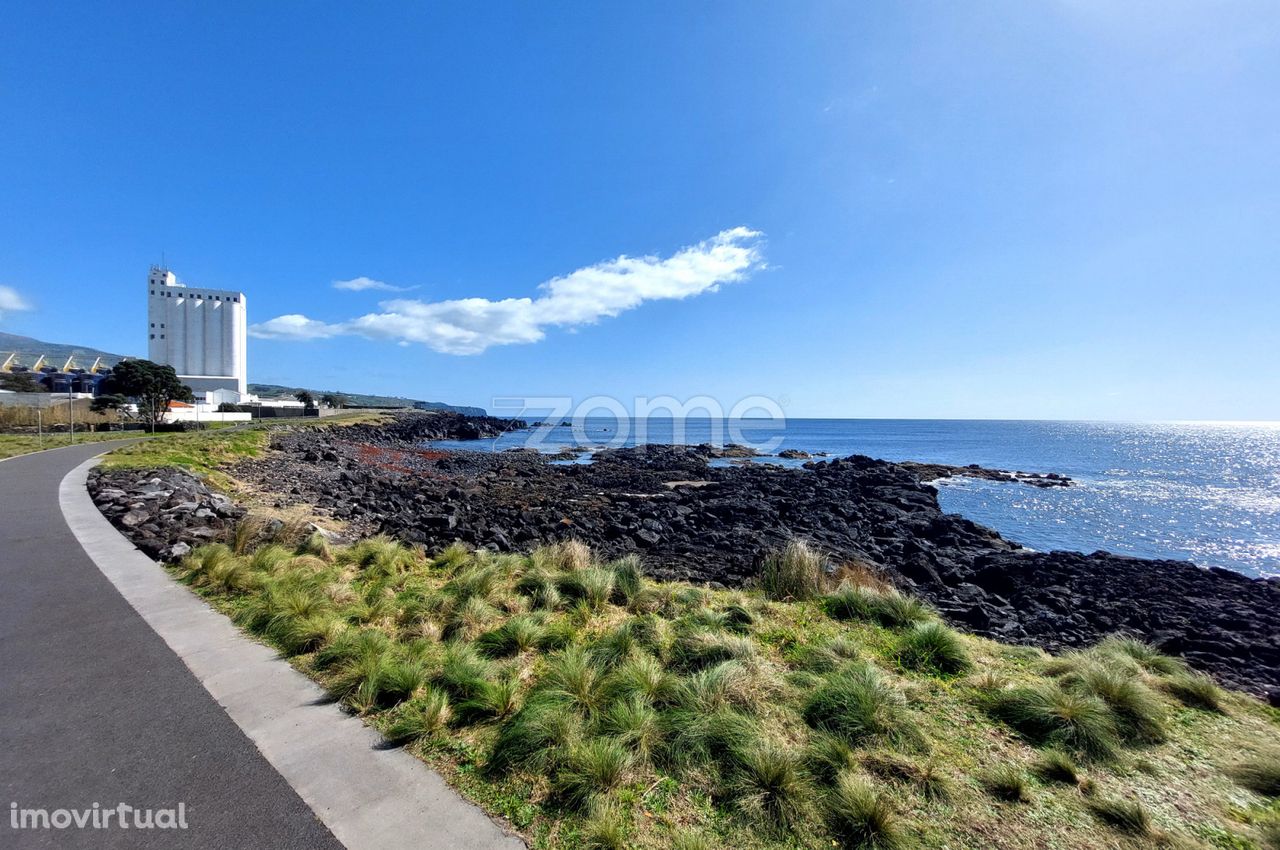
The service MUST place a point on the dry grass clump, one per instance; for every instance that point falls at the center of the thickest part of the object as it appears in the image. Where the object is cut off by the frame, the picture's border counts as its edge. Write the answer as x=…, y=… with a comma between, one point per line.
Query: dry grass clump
x=1260, y=774
x=599, y=708
x=1007, y=782
x=1124, y=815
x=796, y=573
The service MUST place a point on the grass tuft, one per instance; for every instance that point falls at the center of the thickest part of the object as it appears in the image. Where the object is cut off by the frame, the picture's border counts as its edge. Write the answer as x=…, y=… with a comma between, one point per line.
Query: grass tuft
x=1194, y=690
x=424, y=716
x=1045, y=713
x=1125, y=815
x=769, y=785
x=860, y=706
x=1147, y=656
x=1008, y=783
x=535, y=738
x=593, y=767
x=933, y=648
x=795, y=573
x=1057, y=766
x=1260, y=775
x=1140, y=718
x=858, y=816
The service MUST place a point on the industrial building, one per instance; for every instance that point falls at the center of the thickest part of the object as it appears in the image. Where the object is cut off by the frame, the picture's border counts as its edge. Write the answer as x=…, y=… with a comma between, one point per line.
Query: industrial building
x=200, y=332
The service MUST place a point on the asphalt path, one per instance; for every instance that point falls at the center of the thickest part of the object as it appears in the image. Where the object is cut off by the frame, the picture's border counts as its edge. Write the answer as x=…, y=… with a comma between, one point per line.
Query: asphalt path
x=96, y=709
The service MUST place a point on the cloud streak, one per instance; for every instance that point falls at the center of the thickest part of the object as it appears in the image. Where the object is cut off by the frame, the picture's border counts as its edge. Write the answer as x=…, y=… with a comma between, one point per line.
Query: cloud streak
x=12, y=301
x=363, y=284
x=582, y=297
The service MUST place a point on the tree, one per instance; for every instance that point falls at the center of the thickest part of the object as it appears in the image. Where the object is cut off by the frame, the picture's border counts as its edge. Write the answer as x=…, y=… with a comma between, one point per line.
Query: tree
x=307, y=399
x=111, y=401
x=21, y=382
x=228, y=407
x=151, y=385
x=333, y=400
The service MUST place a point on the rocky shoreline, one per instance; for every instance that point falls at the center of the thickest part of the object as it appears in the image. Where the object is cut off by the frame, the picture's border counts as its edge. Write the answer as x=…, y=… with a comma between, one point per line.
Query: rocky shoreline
x=700, y=522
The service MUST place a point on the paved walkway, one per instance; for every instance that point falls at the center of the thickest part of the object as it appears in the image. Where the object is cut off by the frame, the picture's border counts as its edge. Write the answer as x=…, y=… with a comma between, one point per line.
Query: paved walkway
x=119, y=686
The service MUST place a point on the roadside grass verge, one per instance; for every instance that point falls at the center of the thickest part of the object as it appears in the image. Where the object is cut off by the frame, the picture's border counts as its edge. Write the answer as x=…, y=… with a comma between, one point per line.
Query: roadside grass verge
x=12, y=445
x=593, y=707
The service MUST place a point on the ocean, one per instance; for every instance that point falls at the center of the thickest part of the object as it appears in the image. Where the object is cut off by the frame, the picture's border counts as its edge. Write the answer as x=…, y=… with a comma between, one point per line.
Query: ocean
x=1207, y=492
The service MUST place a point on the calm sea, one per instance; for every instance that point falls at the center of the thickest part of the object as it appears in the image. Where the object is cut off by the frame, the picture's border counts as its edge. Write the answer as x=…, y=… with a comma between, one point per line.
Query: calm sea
x=1206, y=492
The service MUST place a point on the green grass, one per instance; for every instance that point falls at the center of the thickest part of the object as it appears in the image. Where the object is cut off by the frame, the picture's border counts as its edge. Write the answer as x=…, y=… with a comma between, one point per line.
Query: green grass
x=12, y=445
x=858, y=816
x=933, y=648
x=622, y=711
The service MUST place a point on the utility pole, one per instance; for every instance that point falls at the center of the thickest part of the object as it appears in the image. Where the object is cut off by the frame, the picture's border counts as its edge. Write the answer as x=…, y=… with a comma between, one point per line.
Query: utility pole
x=40, y=425
x=71, y=413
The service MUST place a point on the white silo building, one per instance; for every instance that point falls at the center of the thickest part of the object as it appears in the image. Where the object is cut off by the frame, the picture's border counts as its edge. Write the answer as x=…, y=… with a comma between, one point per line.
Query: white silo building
x=200, y=332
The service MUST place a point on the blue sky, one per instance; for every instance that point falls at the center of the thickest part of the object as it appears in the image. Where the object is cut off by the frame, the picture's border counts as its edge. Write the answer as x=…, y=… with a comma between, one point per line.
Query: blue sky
x=1002, y=209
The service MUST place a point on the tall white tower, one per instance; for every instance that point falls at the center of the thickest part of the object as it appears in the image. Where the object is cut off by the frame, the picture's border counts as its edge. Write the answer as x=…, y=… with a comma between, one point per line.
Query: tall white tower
x=200, y=332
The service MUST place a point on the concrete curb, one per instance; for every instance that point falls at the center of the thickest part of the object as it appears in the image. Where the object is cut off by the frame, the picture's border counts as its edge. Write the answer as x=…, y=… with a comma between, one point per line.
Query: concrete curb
x=368, y=797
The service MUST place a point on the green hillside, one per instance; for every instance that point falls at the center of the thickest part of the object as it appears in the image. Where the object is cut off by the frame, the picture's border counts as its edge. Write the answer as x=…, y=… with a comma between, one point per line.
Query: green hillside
x=29, y=349
x=361, y=399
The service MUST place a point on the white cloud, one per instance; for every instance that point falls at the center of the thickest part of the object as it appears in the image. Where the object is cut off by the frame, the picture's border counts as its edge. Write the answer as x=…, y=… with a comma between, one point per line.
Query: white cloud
x=11, y=301
x=471, y=325
x=294, y=326
x=360, y=284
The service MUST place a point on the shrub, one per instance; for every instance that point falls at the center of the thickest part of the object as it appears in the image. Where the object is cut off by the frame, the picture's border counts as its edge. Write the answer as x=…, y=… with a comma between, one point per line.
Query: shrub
x=769, y=785
x=858, y=816
x=932, y=647
x=634, y=723
x=424, y=716
x=1008, y=783
x=593, y=767
x=859, y=705
x=1124, y=815
x=590, y=585
x=1046, y=714
x=535, y=738
x=795, y=573
x=1260, y=775
x=1194, y=690
x=1057, y=766
x=1138, y=713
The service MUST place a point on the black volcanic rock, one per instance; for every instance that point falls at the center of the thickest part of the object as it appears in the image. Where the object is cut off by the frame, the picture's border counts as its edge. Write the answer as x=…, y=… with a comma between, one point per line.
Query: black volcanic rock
x=697, y=522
